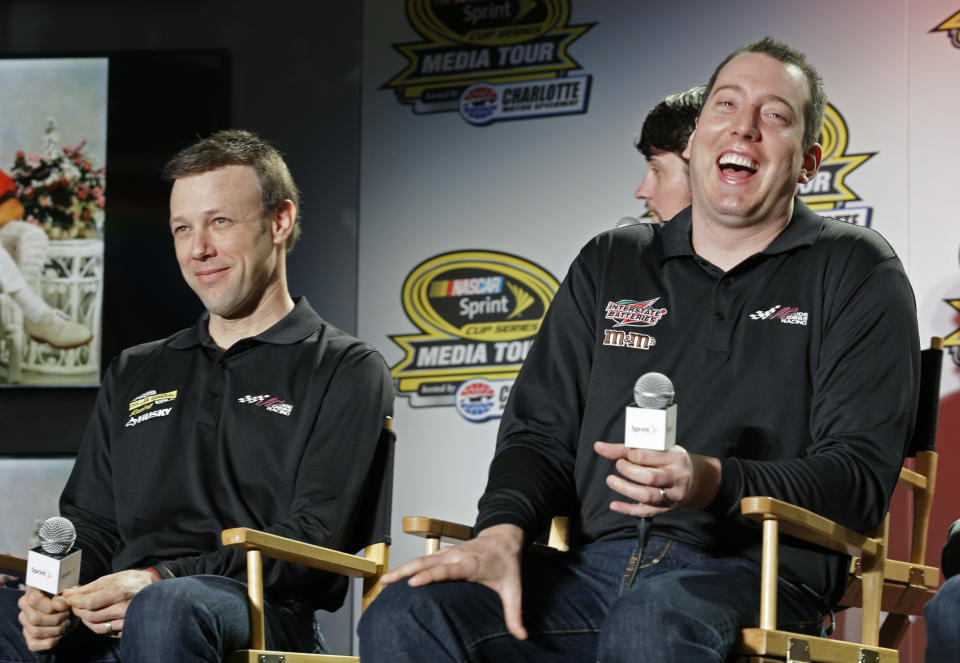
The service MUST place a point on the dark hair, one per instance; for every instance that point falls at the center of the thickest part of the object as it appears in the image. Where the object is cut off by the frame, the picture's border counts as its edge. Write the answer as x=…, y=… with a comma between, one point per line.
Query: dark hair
x=668, y=125
x=235, y=147
x=813, y=111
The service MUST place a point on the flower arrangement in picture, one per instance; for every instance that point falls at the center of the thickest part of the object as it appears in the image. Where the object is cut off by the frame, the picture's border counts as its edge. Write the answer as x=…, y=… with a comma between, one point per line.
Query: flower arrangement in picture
x=61, y=190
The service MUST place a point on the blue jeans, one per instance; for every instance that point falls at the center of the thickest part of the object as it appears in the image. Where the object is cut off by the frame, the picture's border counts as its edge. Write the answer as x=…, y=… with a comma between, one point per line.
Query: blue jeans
x=685, y=605
x=195, y=618
x=942, y=616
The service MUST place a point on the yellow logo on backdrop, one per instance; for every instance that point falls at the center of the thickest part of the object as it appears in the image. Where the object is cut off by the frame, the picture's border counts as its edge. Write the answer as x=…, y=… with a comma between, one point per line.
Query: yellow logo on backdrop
x=493, y=42
x=828, y=191
x=478, y=313
x=952, y=341
x=952, y=27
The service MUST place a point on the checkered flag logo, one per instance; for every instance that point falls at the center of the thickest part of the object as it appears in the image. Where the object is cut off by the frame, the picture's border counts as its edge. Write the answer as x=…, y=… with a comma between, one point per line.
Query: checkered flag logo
x=253, y=399
x=763, y=315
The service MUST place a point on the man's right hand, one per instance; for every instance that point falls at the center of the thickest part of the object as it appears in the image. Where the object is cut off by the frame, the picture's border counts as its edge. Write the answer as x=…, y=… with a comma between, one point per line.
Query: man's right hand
x=491, y=559
x=45, y=620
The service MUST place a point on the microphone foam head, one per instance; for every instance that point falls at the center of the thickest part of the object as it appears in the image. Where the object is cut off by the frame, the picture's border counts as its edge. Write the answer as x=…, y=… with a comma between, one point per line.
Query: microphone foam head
x=57, y=535
x=653, y=391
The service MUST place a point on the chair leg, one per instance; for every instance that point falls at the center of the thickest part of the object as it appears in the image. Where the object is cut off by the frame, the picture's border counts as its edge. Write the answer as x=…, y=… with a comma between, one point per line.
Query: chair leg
x=768, y=577
x=258, y=637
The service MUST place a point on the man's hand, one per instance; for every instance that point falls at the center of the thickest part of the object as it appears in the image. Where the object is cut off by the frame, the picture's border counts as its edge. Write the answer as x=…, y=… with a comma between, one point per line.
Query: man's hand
x=45, y=620
x=491, y=559
x=687, y=480
x=105, y=600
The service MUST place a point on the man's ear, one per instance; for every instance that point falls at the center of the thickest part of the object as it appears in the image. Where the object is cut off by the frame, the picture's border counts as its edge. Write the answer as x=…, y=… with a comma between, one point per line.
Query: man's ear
x=282, y=222
x=811, y=163
x=686, y=151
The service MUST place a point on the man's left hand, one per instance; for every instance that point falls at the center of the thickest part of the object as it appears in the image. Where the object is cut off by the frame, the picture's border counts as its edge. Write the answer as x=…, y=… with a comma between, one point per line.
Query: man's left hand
x=104, y=601
x=686, y=479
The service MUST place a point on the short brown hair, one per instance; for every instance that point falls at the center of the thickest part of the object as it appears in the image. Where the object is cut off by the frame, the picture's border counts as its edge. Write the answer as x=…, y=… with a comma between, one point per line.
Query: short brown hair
x=236, y=147
x=814, y=109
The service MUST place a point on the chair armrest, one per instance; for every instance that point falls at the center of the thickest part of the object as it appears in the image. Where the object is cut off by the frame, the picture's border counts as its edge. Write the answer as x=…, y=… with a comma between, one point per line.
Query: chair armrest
x=434, y=528
x=803, y=524
x=289, y=550
x=13, y=565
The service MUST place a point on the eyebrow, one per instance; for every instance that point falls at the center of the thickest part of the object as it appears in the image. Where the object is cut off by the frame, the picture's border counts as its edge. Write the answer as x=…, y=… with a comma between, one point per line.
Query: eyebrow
x=738, y=88
x=206, y=214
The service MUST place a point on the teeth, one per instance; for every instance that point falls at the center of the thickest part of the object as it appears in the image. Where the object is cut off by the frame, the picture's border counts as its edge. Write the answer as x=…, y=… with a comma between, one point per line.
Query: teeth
x=738, y=160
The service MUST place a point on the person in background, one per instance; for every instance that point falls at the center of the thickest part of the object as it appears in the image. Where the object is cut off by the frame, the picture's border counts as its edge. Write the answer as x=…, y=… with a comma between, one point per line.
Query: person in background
x=942, y=613
x=666, y=186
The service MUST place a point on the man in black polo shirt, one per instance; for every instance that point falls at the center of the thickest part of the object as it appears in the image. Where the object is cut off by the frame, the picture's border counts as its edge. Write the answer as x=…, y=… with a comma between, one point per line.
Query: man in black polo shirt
x=792, y=343
x=261, y=415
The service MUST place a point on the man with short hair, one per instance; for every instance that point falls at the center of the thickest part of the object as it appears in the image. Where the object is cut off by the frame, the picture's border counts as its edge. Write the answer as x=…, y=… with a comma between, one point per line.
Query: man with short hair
x=261, y=415
x=792, y=344
x=666, y=185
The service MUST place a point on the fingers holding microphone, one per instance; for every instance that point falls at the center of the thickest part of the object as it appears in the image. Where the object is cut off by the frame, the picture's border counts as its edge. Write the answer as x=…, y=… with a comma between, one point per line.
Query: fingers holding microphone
x=653, y=481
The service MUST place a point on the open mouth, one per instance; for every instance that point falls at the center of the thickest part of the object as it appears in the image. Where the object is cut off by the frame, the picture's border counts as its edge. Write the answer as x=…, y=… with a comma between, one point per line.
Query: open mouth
x=736, y=166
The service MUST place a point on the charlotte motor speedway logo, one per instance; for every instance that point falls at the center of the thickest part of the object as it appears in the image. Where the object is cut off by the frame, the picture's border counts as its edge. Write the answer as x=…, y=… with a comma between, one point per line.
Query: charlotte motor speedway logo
x=828, y=191
x=491, y=60
x=478, y=312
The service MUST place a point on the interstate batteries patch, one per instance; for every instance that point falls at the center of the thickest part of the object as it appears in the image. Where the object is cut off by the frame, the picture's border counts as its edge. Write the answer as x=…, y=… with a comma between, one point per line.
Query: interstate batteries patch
x=478, y=313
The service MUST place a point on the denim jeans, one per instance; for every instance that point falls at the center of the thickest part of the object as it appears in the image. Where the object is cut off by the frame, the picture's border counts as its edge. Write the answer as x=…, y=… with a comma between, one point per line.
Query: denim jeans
x=195, y=618
x=685, y=605
x=942, y=616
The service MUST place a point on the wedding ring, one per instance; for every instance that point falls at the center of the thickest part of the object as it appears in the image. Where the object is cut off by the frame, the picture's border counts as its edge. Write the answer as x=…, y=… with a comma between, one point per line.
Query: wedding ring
x=663, y=497
x=108, y=629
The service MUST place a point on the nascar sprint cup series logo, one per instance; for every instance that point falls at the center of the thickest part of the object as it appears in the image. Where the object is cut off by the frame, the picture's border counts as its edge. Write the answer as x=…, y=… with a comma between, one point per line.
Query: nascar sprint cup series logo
x=492, y=60
x=478, y=313
x=828, y=192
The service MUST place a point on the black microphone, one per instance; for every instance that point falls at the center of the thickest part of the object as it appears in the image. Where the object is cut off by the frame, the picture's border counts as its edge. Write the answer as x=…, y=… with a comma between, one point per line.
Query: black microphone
x=651, y=424
x=51, y=566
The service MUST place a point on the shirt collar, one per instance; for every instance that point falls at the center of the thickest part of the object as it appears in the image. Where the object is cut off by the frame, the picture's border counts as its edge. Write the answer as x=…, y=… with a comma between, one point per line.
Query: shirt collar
x=295, y=326
x=803, y=230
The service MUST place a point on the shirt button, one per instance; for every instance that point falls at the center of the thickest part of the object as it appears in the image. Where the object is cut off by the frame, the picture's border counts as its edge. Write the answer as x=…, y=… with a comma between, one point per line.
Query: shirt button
x=213, y=393
x=719, y=316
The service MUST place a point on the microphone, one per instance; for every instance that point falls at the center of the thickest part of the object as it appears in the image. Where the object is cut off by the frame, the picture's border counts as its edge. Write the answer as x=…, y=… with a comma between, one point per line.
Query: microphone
x=651, y=424
x=51, y=566
x=628, y=221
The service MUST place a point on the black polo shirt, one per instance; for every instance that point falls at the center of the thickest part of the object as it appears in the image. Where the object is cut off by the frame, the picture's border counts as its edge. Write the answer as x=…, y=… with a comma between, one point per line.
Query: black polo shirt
x=276, y=433
x=798, y=368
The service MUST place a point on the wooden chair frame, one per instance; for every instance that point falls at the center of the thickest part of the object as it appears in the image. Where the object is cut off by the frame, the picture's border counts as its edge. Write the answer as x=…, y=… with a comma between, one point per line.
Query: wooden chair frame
x=371, y=566
x=876, y=583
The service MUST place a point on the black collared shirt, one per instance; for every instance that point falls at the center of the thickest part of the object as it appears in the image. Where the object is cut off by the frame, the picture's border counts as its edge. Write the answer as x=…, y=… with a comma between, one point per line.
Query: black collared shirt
x=276, y=433
x=798, y=368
